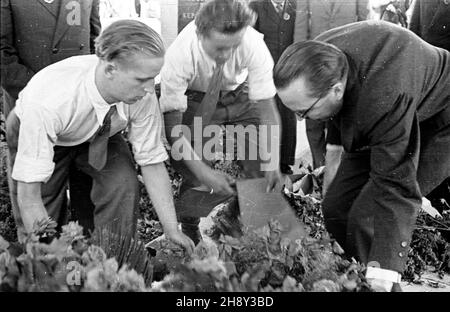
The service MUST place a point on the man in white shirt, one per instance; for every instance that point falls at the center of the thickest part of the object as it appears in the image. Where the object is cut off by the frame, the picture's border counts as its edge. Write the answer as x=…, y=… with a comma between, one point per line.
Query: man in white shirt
x=220, y=34
x=68, y=106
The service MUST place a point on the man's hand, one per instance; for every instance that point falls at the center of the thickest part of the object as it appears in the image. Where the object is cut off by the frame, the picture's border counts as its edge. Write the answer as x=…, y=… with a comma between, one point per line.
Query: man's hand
x=220, y=182
x=273, y=179
x=181, y=239
x=161, y=195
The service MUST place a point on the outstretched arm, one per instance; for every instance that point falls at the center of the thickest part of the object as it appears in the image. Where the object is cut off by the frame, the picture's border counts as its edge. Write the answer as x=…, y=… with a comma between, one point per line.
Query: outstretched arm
x=270, y=140
x=160, y=193
x=219, y=182
x=30, y=204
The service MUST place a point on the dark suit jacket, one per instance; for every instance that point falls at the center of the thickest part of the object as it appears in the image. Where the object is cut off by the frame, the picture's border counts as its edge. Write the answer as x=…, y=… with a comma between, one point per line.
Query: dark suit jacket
x=316, y=16
x=35, y=34
x=278, y=32
x=398, y=86
x=430, y=20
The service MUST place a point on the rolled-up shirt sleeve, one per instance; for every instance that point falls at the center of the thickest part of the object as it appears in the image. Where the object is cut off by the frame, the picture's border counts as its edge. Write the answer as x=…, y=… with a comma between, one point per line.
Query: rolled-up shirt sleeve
x=175, y=75
x=260, y=68
x=145, y=132
x=37, y=137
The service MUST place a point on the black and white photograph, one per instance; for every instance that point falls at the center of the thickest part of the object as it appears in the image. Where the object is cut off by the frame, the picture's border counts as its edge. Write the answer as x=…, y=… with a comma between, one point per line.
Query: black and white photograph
x=228, y=152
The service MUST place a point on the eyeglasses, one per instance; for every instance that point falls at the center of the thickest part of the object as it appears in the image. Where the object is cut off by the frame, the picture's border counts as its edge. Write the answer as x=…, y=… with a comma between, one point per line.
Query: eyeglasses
x=303, y=115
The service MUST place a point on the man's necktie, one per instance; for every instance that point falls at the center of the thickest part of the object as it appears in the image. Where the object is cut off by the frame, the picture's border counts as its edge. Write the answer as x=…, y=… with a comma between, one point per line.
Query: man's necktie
x=209, y=103
x=279, y=9
x=98, y=149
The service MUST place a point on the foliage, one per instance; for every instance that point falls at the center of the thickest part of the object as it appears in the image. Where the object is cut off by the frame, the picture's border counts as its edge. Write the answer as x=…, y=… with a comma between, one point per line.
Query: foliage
x=67, y=263
x=260, y=260
x=7, y=224
x=264, y=261
x=149, y=226
x=430, y=248
x=126, y=248
x=309, y=211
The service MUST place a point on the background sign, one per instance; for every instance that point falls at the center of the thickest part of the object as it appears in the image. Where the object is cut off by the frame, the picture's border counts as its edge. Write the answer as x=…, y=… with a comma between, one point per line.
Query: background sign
x=186, y=11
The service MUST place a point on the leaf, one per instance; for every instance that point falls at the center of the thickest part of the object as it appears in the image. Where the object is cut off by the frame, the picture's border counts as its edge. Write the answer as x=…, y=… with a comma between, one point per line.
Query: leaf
x=58, y=247
x=128, y=280
x=95, y=280
x=230, y=268
x=228, y=249
x=206, y=249
x=325, y=285
x=5, y=261
x=350, y=285
x=428, y=208
x=94, y=254
x=72, y=231
x=3, y=244
x=45, y=227
x=291, y=285
x=337, y=249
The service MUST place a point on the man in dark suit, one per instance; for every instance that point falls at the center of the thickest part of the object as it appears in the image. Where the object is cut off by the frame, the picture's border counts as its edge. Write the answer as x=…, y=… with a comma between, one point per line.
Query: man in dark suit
x=312, y=19
x=386, y=91
x=35, y=34
x=430, y=20
x=276, y=20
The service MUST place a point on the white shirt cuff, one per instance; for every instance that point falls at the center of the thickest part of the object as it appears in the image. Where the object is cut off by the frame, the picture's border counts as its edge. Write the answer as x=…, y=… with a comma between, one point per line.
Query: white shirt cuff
x=157, y=156
x=334, y=147
x=383, y=274
x=263, y=92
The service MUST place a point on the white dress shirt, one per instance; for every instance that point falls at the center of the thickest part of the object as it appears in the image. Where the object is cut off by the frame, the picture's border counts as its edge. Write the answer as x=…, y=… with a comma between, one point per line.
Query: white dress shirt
x=275, y=5
x=187, y=66
x=61, y=105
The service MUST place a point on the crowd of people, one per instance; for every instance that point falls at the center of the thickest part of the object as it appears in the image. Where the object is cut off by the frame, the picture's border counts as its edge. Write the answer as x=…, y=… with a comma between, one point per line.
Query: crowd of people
x=374, y=93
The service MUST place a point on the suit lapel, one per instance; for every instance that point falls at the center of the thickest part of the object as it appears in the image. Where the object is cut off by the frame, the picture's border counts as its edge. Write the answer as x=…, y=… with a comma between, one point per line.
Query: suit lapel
x=51, y=8
x=61, y=23
x=291, y=8
x=349, y=109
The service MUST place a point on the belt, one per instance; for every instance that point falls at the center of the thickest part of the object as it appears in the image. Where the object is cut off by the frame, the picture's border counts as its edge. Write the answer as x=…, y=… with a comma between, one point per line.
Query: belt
x=226, y=97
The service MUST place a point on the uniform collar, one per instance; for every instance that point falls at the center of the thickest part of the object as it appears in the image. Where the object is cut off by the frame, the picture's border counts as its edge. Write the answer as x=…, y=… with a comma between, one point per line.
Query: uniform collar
x=101, y=107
